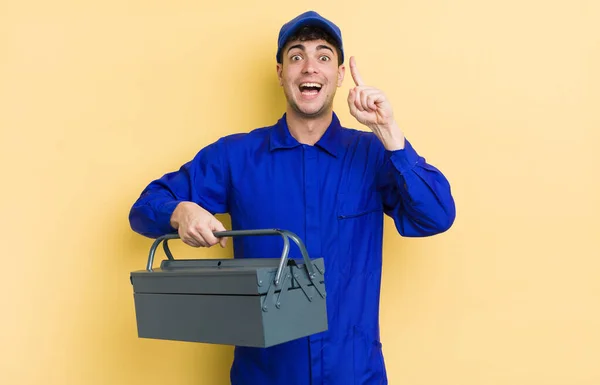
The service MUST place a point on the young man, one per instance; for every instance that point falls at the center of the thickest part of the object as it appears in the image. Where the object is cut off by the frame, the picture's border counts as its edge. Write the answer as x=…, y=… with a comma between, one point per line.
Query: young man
x=328, y=184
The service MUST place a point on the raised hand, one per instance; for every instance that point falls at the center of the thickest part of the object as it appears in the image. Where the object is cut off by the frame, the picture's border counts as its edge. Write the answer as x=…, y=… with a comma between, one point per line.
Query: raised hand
x=370, y=107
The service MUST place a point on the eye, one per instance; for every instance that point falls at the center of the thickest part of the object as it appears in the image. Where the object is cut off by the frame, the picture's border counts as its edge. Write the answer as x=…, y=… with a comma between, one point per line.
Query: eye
x=295, y=58
x=324, y=58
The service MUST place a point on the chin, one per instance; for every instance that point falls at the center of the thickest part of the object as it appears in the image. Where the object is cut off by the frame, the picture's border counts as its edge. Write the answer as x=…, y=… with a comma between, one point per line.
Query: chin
x=312, y=111
x=313, y=114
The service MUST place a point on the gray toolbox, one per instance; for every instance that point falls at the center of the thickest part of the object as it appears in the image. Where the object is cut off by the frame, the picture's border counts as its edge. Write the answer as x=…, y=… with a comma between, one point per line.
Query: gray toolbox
x=258, y=302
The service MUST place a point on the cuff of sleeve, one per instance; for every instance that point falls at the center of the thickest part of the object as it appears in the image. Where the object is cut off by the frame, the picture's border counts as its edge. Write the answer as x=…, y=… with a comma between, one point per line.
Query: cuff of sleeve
x=166, y=211
x=404, y=160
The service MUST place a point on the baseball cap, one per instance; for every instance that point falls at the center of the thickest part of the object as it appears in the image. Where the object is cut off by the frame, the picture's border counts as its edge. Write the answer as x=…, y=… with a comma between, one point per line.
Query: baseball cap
x=310, y=18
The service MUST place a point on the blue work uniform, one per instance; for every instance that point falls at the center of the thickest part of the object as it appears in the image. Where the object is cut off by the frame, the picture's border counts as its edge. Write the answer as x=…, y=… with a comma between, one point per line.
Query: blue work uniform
x=333, y=196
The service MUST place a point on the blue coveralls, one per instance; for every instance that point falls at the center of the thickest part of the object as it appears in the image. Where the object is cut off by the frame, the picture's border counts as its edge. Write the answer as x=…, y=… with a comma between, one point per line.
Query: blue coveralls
x=333, y=196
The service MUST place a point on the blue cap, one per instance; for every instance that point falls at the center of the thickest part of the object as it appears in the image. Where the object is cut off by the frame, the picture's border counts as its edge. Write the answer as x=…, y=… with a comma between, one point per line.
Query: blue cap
x=309, y=18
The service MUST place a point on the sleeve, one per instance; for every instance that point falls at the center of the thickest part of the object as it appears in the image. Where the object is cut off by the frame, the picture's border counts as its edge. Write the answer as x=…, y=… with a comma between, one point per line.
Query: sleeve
x=415, y=194
x=204, y=180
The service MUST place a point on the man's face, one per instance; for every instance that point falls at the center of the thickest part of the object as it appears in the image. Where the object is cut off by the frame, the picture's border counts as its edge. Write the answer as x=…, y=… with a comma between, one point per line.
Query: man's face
x=310, y=75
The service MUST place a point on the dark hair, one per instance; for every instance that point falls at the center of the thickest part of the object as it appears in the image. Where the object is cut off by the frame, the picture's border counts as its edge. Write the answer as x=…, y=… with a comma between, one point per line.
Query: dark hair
x=309, y=33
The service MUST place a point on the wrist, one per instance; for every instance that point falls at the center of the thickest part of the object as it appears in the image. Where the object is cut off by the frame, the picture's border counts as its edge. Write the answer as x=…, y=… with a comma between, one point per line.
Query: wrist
x=391, y=136
x=177, y=213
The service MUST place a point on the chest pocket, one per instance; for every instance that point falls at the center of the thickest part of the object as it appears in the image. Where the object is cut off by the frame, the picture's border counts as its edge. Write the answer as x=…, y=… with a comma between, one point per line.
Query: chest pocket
x=354, y=205
x=358, y=193
x=359, y=225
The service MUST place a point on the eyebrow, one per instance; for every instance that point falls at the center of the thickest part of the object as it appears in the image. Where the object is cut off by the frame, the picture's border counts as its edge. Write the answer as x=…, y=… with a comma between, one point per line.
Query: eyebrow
x=303, y=48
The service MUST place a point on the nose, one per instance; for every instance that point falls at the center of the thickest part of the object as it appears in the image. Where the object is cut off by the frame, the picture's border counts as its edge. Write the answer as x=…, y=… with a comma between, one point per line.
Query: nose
x=310, y=66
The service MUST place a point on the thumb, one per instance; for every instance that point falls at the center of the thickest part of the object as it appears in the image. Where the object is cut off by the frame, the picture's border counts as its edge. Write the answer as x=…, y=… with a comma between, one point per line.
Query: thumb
x=219, y=227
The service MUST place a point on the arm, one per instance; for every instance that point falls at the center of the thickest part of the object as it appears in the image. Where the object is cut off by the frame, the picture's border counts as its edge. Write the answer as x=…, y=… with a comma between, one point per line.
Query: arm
x=415, y=194
x=185, y=200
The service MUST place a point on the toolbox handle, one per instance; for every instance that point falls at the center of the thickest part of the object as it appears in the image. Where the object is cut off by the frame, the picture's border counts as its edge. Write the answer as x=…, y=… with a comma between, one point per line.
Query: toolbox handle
x=233, y=233
x=154, y=246
x=285, y=234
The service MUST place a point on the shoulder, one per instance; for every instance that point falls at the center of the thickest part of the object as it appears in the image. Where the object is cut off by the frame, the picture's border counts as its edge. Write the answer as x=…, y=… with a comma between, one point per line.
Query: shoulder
x=245, y=138
x=247, y=141
x=239, y=146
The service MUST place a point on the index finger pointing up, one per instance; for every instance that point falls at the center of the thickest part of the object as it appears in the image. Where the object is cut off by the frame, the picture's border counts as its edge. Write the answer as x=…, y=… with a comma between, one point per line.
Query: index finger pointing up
x=354, y=71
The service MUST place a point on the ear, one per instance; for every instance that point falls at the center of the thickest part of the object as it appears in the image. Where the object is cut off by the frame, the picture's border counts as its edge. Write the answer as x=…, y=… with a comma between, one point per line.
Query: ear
x=341, y=73
x=279, y=71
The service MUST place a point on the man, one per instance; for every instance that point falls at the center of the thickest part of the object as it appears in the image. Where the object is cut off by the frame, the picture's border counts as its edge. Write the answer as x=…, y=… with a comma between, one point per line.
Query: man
x=328, y=184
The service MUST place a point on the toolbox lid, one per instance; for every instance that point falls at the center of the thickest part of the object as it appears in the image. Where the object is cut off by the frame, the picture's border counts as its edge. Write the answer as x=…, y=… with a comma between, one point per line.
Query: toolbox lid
x=238, y=276
x=241, y=276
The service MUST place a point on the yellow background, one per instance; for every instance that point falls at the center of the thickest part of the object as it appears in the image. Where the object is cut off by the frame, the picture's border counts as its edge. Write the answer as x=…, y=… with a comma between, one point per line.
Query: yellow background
x=97, y=98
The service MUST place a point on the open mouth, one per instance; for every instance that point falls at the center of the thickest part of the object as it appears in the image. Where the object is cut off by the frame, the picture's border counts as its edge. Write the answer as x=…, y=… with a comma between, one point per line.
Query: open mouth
x=310, y=89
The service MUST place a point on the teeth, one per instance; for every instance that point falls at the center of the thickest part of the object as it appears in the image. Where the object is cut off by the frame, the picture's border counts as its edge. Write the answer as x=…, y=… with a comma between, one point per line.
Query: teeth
x=317, y=85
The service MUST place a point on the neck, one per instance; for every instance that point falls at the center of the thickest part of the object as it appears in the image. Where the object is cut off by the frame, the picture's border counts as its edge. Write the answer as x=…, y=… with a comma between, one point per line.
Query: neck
x=308, y=130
